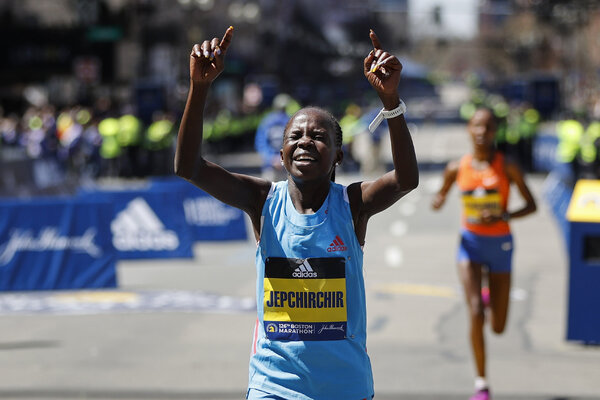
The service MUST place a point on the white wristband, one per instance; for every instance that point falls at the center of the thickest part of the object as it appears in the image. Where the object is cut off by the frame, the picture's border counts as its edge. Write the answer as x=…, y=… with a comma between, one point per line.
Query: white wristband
x=383, y=113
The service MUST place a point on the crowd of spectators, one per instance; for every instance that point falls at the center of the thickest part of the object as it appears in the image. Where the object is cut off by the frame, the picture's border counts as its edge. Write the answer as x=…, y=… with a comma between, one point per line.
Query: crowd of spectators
x=88, y=142
x=95, y=142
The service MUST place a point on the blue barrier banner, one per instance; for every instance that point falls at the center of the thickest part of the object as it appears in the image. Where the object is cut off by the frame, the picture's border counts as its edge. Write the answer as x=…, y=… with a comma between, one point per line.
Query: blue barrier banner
x=55, y=244
x=544, y=153
x=147, y=223
x=209, y=218
x=557, y=194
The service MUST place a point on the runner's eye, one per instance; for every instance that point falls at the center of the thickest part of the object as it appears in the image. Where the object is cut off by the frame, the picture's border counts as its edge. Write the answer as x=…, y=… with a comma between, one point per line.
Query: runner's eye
x=295, y=135
x=321, y=136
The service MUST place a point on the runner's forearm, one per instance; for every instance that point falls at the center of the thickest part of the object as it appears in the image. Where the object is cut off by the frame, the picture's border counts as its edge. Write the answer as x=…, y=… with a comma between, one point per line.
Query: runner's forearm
x=189, y=139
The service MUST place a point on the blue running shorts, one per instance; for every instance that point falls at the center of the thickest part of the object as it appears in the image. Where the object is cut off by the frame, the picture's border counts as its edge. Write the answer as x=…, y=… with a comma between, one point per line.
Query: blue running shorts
x=495, y=252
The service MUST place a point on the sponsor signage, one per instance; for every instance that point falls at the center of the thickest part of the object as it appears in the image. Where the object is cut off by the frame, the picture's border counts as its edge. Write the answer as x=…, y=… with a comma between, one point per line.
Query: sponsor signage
x=55, y=244
x=208, y=218
x=138, y=228
x=147, y=223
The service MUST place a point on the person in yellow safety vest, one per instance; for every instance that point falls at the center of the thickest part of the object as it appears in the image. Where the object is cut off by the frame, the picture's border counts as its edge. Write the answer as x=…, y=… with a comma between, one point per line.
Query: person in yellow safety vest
x=351, y=125
x=220, y=126
x=513, y=134
x=529, y=122
x=501, y=111
x=467, y=110
x=477, y=98
x=159, y=134
x=527, y=127
x=590, y=142
x=128, y=137
x=110, y=149
x=569, y=134
x=108, y=129
x=159, y=141
x=130, y=128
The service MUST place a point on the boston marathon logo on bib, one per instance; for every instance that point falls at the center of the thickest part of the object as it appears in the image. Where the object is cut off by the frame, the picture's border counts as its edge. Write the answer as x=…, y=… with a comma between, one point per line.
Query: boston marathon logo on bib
x=305, y=298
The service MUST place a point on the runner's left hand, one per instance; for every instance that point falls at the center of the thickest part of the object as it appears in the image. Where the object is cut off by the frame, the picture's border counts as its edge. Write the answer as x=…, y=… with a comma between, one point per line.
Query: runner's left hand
x=382, y=69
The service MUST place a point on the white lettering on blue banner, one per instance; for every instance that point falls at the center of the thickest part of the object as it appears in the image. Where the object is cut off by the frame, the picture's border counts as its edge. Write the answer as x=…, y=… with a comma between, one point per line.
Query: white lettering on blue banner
x=48, y=239
x=206, y=211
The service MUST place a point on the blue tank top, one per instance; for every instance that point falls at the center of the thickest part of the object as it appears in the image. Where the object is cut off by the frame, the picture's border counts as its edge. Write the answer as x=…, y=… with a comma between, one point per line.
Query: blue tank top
x=310, y=338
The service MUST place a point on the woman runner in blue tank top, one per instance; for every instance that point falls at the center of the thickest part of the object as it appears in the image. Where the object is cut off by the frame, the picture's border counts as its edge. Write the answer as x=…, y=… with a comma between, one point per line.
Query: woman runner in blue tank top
x=310, y=336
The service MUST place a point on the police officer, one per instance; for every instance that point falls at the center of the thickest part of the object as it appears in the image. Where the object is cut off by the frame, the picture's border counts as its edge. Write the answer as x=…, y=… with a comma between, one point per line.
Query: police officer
x=569, y=133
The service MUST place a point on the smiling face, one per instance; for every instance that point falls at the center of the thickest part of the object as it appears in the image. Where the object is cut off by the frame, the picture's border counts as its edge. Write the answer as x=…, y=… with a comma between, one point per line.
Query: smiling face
x=482, y=129
x=310, y=149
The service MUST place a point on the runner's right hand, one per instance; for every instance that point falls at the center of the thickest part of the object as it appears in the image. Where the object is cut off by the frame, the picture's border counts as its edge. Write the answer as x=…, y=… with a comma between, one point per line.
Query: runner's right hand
x=207, y=59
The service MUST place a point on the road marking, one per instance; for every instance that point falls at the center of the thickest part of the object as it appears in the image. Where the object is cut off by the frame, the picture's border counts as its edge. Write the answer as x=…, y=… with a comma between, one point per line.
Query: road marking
x=98, y=297
x=421, y=289
x=86, y=302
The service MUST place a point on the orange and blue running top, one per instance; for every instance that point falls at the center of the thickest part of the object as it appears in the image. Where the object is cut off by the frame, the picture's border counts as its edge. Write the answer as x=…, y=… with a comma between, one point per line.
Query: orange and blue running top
x=485, y=189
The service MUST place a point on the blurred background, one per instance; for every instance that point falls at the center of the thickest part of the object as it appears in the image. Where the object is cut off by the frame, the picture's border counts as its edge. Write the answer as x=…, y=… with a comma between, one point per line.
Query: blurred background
x=95, y=88
x=91, y=95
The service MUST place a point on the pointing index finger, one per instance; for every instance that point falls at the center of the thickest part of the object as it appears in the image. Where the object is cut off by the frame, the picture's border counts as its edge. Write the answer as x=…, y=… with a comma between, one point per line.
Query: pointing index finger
x=374, y=40
x=226, y=41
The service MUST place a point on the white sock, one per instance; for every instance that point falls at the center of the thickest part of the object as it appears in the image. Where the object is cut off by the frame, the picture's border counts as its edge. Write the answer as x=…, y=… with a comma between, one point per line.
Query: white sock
x=480, y=383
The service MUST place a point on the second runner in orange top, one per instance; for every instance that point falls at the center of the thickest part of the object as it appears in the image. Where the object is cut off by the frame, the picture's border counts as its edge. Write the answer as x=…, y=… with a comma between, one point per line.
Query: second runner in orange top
x=484, y=190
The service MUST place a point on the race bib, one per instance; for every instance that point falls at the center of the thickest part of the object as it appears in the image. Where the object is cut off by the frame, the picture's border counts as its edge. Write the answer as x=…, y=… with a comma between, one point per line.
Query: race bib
x=475, y=201
x=305, y=298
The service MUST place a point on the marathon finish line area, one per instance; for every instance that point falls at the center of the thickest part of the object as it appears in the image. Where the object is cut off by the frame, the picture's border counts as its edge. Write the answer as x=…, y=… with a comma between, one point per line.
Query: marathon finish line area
x=71, y=243
x=88, y=302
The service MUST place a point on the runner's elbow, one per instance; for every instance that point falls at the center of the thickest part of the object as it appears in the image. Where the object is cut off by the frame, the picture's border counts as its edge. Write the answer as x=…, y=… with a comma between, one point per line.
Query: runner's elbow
x=533, y=207
x=407, y=183
x=183, y=170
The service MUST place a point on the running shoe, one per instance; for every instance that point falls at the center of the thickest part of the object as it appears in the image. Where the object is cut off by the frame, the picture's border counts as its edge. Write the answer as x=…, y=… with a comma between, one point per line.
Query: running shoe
x=483, y=394
x=485, y=296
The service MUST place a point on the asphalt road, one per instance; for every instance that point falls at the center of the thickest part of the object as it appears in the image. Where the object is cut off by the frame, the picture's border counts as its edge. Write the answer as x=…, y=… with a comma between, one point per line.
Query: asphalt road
x=181, y=329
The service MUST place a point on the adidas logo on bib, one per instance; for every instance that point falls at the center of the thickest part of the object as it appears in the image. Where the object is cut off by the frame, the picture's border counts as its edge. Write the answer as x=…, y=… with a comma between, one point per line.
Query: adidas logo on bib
x=304, y=270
